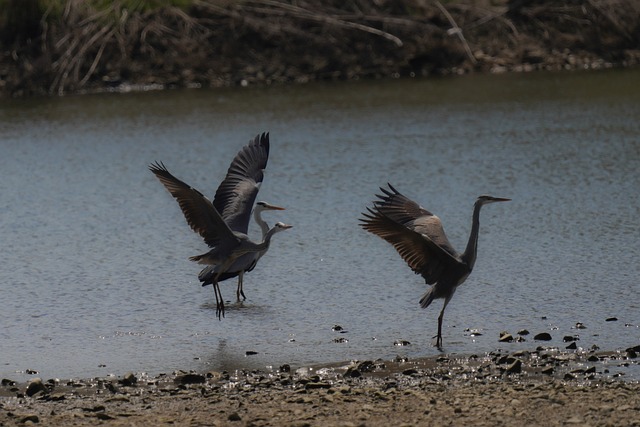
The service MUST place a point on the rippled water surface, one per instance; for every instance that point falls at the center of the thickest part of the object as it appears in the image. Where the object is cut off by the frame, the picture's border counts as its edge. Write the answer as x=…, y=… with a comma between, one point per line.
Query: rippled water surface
x=95, y=279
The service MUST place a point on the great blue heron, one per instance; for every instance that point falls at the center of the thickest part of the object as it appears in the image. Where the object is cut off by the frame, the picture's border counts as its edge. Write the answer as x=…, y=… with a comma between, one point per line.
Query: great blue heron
x=420, y=240
x=234, y=200
x=245, y=263
x=224, y=223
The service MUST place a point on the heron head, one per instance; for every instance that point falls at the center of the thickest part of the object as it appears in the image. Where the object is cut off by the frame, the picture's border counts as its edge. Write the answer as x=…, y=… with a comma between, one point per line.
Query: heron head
x=485, y=200
x=264, y=206
x=281, y=226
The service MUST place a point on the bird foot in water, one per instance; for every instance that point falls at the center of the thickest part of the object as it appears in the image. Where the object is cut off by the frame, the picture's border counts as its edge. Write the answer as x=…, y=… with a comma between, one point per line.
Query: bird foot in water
x=438, y=343
x=220, y=311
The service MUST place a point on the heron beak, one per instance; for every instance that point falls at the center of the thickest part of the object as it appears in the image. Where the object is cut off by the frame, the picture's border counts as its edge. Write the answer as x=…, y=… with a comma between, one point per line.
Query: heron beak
x=274, y=207
x=500, y=199
x=287, y=226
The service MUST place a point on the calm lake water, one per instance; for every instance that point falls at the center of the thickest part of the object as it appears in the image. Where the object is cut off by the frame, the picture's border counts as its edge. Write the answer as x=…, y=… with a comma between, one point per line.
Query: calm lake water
x=95, y=277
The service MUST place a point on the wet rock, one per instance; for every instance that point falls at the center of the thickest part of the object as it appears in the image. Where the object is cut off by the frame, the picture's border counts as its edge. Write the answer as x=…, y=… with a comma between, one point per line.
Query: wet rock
x=234, y=417
x=352, y=372
x=215, y=375
x=543, y=336
x=611, y=319
x=190, y=379
x=515, y=367
x=30, y=418
x=30, y=372
x=505, y=337
x=635, y=349
x=593, y=358
x=129, y=379
x=366, y=366
x=104, y=417
x=341, y=340
x=572, y=346
x=401, y=342
x=410, y=372
x=285, y=368
x=523, y=332
x=337, y=328
x=317, y=385
x=580, y=325
x=35, y=386
x=250, y=353
x=547, y=370
x=570, y=338
x=7, y=382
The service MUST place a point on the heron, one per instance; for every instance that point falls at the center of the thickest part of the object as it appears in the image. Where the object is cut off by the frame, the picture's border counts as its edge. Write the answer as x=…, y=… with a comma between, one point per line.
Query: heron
x=419, y=238
x=234, y=200
x=246, y=262
x=223, y=223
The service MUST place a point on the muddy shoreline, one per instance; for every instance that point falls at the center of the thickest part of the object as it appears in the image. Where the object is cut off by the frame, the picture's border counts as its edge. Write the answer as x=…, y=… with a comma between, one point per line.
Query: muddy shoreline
x=541, y=387
x=221, y=44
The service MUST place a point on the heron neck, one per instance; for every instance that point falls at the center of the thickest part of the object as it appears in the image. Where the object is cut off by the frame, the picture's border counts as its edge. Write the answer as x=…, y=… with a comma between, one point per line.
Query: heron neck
x=257, y=215
x=469, y=255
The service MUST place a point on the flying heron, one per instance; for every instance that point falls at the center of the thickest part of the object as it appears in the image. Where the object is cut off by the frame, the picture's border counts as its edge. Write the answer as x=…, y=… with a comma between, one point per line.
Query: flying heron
x=245, y=263
x=420, y=240
x=234, y=200
x=223, y=223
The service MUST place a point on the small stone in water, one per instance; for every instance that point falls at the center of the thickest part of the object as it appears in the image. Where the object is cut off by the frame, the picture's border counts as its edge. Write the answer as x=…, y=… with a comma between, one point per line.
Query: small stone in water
x=523, y=332
x=401, y=342
x=505, y=337
x=543, y=336
x=611, y=319
x=250, y=353
x=580, y=325
x=572, y=346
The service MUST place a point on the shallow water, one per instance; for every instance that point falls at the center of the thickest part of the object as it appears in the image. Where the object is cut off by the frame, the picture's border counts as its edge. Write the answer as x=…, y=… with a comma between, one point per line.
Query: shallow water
x=95, y=277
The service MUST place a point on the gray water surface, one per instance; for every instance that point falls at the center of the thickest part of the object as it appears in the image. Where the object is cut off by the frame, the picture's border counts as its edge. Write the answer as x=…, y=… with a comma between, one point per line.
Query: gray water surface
x=95, y=277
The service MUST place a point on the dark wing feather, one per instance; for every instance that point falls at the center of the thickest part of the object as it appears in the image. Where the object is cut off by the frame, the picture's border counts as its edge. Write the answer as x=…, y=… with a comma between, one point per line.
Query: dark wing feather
x=413, y=231
x=200, y=214
x=236, y=194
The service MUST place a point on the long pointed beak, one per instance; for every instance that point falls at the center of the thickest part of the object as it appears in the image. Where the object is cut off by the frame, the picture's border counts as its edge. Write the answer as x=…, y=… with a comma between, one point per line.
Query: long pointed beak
x=500, y=199
x=286, y=226
x=271, y=207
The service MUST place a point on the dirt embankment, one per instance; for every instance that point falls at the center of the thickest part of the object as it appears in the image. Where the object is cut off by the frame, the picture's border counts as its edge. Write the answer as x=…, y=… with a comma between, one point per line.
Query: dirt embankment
x=217, y=43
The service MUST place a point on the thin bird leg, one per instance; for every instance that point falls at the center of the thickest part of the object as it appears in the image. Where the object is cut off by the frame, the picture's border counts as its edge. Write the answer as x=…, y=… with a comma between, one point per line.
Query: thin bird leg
x=219, y=300
x=440, y=317
x=240, y=291
x=439, y=336
x=216, y=288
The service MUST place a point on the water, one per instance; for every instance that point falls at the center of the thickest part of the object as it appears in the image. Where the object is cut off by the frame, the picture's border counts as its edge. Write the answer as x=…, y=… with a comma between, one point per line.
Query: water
x=95, y=277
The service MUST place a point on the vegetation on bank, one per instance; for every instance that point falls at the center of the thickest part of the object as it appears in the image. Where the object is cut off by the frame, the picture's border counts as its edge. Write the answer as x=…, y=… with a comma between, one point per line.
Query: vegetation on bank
x=63, y=46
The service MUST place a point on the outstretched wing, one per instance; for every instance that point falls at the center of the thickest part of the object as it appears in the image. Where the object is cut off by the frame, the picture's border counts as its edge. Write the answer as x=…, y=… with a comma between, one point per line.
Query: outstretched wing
x=236, y=194
x=416, y=233
x=200, y=214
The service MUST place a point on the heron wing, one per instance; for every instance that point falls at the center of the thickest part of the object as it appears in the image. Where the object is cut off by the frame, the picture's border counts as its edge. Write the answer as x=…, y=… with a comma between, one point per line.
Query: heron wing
x=201, y=215
x=413, y=231
x=236, y=194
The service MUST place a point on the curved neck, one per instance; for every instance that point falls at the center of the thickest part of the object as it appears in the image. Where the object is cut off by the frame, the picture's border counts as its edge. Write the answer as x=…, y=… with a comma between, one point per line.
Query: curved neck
x=257, y=215
x=469, y=255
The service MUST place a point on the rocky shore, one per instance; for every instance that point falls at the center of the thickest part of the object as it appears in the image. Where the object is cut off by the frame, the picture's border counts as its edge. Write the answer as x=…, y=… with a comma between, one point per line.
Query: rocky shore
x=545, y=387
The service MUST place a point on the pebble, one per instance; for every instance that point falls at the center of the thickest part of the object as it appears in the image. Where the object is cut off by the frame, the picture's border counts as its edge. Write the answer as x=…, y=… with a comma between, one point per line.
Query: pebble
x=35, y=386
x=128, y=379
x=543, y=336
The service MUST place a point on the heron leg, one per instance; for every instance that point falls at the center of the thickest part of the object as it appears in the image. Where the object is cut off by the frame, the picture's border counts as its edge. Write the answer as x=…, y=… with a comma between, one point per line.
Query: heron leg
x=240, y=291
x=440, y=317
x=219, y=300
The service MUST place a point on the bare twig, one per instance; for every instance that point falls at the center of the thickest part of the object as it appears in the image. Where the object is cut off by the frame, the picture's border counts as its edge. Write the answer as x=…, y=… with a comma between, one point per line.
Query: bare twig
x=455, y=29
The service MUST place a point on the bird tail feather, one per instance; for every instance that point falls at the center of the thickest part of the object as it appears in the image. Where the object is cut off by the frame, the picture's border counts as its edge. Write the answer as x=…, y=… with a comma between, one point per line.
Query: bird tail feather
x=427, y=298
